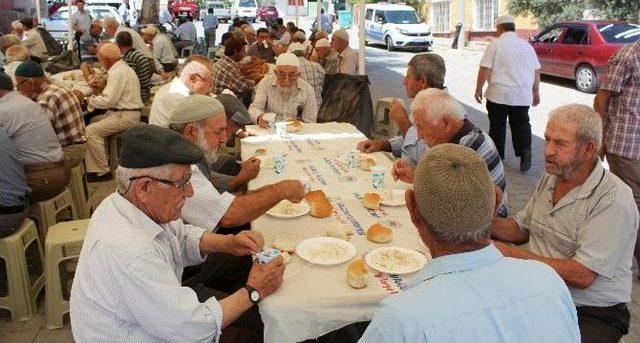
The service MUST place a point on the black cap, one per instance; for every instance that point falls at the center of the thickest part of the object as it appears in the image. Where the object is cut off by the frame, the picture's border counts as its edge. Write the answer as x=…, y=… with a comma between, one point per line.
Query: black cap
x=29, y=69
x=234, y=109
x=146, y=146
x=5, y=81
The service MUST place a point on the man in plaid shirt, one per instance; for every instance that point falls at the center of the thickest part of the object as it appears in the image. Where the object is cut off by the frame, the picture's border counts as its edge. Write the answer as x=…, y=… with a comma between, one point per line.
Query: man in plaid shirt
x=311, y=72
x=63, y=110
x=227, y=74
x=618, y=102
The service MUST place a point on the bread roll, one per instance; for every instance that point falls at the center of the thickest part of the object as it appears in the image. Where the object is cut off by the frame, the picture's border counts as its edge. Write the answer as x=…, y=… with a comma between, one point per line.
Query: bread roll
x=366, y=162
x=321, y=208
x=315, y=195
x=371, y=201
x=357, y=274
x=379, y=234
x=283, y=244
x=260, y=152
x=294, y=125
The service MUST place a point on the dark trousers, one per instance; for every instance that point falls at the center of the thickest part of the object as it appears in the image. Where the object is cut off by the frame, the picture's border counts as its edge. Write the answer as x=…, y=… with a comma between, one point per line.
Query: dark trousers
x=77, y=39
x=603, y=324
x=518, y=121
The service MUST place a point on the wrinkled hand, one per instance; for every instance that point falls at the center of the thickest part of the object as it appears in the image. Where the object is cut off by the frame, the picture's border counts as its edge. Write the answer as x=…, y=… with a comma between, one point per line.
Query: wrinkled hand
x=263, y=123
x=249, y=169
x=479, y=95
x=369, y=146
x=536, y=98
x=244, y=243
x=397, y=113
x=402, y=170
x=292, y=190
x=267, y=278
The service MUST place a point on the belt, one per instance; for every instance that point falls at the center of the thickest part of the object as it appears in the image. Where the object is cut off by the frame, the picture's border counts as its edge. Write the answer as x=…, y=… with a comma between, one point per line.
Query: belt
x=12, y=209
x=43, y=166
x=124, y=109
x=77, y=143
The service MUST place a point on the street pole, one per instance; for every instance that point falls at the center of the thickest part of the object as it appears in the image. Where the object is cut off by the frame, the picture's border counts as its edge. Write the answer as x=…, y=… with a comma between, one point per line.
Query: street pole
x=297, y=12
x=361, y=37
x=318, y=14
x=461, y=10
x=38, y=10
x=70, y=25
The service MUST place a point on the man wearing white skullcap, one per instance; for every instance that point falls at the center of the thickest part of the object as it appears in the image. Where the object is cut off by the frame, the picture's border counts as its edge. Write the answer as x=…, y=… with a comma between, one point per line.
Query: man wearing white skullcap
x=347, y=58
x=324, y=55
x=283, y=95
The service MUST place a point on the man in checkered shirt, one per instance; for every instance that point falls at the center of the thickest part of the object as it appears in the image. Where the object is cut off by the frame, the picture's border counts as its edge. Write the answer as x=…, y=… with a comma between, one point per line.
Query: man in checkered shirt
x=311, y=72
x=227, y=73
x=62, y=107
x=618, y=102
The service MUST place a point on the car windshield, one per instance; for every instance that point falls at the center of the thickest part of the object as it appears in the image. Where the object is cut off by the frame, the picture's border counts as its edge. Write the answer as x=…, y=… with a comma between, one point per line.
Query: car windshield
x=247, y=3
x=621, y=33
x=102, y=13
x=401, y=17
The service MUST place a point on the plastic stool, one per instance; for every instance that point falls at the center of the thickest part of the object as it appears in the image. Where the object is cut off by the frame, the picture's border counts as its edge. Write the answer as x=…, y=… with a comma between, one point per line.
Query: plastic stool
x=62, y=249
x=79, y=190
x=22, y=266
x=113, y=142
x=46, y=212
x=189, y=49
x=383, y=126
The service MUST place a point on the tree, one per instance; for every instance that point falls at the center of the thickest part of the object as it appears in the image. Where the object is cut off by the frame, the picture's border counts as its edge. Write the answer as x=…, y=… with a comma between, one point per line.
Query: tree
x=149, y=12
x=550, y=11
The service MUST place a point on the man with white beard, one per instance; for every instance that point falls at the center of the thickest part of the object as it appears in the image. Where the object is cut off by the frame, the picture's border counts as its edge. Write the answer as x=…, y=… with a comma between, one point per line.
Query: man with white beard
x=201, y=120
x=284, y=95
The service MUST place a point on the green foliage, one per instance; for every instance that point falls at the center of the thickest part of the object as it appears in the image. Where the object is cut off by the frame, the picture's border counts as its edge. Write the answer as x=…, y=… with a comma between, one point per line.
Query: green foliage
x=548, y=12
x=628, y=10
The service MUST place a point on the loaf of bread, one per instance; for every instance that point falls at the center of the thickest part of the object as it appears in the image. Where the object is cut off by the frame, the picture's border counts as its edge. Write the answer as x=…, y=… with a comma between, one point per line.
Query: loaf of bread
x=366, y=162
x=260, y=152
x=314, y=195
x=294, y=125
x=321, y=208
x=371, y=201
x=379, y=234
x=357, y=274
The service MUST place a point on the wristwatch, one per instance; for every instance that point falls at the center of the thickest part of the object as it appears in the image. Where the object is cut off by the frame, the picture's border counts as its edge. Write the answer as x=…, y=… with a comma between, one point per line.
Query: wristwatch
x=254, y=295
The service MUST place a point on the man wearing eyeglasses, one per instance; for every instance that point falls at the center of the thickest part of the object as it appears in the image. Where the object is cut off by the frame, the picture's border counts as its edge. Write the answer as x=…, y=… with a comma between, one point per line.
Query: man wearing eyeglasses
x=284, y=95
x=127, y=284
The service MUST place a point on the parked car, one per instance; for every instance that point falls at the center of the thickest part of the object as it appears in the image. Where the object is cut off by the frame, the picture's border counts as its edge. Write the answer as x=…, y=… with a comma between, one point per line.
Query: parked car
x=183, y=8
x=396, y=26
x=58, y=23
x=267, y=13
x=220, y=10
x=245, y=9
x=579, y=50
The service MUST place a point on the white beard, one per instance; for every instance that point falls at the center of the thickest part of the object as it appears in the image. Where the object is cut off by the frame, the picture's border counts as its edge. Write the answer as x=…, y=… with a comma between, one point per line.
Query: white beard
x=211, y=155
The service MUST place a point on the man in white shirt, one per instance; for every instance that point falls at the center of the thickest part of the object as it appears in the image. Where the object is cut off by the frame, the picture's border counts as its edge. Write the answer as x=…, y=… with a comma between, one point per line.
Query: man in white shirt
x=511, y=67
x=80, y=22
x=347, y=58
x=284, y=95
x=32, y=40
x=16, y=54
x=121, y=99
x=162, y=47
x=127, y=286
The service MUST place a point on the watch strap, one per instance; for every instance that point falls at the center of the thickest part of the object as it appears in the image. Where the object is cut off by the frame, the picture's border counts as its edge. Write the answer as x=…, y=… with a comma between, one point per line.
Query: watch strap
x=250, y=290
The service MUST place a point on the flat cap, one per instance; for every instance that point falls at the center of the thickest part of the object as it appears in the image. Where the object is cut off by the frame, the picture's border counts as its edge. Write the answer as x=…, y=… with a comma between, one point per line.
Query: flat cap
x=195, y=108
x=29, y=69
x=149, y=30
x=342, y=34
x=234, y=109
x=453, y=190
x=5, y=81
x=322, y=43
x=146, y=146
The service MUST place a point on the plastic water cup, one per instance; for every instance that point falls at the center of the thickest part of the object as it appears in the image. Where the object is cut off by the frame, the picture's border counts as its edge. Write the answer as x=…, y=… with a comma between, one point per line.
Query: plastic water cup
x=278, y=163
x=352, y=158
x=378, y=177
x=281, y=128
x=306, y=182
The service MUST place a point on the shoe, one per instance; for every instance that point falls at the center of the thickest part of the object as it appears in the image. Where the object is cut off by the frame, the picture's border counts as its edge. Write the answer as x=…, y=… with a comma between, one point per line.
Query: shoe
x=525, y=160
x=95, y=177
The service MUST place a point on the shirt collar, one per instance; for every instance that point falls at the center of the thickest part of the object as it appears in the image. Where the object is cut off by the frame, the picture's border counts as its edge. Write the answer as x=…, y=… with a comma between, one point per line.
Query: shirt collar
x=466, y=128
x=138, y=219
x=455, y=263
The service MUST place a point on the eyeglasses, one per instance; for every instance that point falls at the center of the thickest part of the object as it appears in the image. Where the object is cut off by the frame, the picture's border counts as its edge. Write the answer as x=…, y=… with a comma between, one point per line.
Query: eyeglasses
x=290, y=76
x=205, y=80
x=182, y=184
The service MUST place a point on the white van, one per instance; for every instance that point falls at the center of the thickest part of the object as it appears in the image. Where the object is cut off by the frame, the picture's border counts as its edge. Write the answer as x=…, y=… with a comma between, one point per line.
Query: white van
x=396, y=26
x=244, y=8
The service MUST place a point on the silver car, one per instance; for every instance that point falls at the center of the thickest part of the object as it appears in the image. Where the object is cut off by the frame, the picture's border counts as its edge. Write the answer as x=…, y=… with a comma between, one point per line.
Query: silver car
x=58, y=23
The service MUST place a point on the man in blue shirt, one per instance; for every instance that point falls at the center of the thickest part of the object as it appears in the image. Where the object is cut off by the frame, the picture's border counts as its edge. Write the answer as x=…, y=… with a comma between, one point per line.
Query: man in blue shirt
x=210, y=24
x=470, y=292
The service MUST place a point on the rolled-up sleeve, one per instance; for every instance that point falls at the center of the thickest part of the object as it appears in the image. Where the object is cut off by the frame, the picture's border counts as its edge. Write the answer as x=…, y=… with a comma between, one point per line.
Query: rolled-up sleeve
x=111, y=93
x=396, y=145
x=619, y=71
x=163, y=307
x=206, y=207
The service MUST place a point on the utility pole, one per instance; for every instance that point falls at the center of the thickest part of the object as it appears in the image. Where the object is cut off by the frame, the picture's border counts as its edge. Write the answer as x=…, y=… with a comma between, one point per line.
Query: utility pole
x=461, y=10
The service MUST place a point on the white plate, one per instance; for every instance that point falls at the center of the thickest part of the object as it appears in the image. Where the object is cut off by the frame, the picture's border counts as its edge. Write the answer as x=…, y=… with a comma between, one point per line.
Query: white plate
x=309, y=249
x=420, y=260
x=298, y=210
x=396, y=200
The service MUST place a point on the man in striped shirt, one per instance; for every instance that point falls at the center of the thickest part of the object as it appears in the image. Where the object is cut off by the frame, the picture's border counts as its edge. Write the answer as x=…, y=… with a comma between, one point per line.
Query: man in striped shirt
x=440, y=118
x=138, y=62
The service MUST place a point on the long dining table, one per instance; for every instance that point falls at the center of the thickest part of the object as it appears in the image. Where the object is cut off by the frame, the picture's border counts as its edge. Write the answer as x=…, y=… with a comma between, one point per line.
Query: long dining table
x=313, y=299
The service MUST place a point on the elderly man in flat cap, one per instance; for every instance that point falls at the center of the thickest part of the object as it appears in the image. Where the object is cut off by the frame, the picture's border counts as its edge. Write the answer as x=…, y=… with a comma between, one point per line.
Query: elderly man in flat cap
x=283, y=95
x=61, y=107
x=469, y=289
x=38, y=148
x=121, y=98
x=440, y=118
x=581, y=221
x=127, y=284
x=347, y=57
x=162, y=47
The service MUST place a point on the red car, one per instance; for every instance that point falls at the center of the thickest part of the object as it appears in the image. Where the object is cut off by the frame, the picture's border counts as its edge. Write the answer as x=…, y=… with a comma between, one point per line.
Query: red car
x=183, y=8
x=579, y=50
x=267, y=12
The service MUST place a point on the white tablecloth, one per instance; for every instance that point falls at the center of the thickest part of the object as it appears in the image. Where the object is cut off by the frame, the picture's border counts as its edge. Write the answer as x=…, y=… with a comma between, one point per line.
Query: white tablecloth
x=77, y=82
x=314, y=300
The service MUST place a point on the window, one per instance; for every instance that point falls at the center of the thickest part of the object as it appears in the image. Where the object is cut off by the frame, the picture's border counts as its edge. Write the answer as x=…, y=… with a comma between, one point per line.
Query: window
x=576, y=35
x=401, y=17
x=486, y=13
x=369, y=14
x=380, y=17
x=552, y=35
x=440, y=16
x=621, y=33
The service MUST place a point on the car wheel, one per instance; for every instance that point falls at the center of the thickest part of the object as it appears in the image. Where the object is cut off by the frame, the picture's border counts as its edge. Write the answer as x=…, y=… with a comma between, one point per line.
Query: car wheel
x=389, y=42
x=586, y=79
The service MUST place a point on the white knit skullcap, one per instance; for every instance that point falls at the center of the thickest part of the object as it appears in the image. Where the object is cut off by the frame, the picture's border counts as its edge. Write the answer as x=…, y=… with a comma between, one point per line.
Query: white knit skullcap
x=288, y=59
x=322, y=43
x=296, y=47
